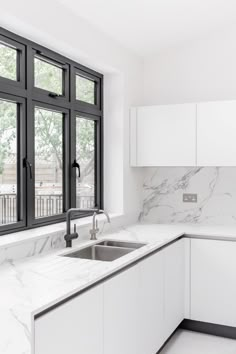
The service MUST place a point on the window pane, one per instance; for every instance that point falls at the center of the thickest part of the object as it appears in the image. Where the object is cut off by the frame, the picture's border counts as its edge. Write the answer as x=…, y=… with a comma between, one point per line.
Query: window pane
x=8, y=162
x=48, y=162
x=85, y=155
x=8, y=62
x=85, y=89
x=48, y=76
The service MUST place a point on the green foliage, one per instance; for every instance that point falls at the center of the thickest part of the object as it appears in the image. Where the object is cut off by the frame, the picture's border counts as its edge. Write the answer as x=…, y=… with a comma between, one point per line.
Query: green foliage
x=7, y=130
x=85, y=138
x=85, y=131
x=48, y=76
x=48, y=134
x=85, y=89
x=7, y=62
x=48, y=124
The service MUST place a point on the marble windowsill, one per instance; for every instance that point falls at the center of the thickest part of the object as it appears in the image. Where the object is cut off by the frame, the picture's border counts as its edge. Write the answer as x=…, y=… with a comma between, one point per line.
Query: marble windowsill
x=16, y=238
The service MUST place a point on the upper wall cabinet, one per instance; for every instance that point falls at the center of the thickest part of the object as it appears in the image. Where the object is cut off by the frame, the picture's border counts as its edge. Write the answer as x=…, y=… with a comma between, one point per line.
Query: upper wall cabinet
x=216, y=127
x=163, y=135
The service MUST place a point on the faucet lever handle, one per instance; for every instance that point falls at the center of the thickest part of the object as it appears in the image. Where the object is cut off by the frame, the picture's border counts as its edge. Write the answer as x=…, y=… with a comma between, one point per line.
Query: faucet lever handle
x=74, y=228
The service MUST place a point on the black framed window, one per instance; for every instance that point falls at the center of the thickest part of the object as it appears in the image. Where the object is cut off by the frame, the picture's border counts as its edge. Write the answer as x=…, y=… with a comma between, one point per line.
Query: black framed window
x=85, y=89
x=43, y=69
x=12, y=152
x=86, y=149
x=12, y=62
x=51, y=135
x=8, y=62
x=48, y=162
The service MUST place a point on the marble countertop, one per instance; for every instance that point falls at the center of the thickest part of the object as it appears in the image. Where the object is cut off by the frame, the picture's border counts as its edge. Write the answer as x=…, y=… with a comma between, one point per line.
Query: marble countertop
x=31, y=285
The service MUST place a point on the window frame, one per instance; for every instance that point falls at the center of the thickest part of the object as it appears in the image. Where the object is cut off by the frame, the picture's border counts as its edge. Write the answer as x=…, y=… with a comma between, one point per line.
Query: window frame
x=31, y=140
x=20, y=64
x=21, y=173
x=86, y=107
x=98, y=185
x=97, y=93
x=52, y=59
x=29, y=97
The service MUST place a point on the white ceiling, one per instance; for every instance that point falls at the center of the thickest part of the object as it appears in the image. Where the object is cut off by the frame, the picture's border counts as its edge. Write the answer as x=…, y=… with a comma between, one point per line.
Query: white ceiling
x=153, y=25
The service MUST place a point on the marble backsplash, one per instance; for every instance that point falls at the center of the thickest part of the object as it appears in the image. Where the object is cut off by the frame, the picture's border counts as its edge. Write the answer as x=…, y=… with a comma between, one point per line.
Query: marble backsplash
x=163, y=190
x=34, y=242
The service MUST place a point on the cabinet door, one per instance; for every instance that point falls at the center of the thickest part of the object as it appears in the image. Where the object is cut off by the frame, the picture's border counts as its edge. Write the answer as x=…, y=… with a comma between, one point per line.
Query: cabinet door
x=216, y=126
x=166, y=135
x=151, y=308
x=75, y=327
x=213, y=281
x=174, y=275
x=121, y=313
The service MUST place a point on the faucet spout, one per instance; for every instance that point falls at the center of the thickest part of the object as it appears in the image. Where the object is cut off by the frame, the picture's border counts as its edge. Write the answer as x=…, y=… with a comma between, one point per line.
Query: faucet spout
x=95, y=229
x=107, y=215
x=71, y=236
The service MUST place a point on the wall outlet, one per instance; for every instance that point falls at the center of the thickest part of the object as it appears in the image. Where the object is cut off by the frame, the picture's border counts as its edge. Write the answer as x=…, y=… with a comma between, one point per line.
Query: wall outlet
x=189, y=198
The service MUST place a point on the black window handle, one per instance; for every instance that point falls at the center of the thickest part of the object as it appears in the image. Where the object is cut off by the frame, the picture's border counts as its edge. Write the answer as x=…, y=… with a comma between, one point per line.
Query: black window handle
x=53, y=95
x=75, y=164
x=28, y=165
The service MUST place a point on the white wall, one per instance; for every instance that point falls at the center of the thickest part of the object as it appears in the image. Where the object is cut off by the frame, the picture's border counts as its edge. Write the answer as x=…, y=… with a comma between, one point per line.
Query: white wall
x=198, y=71
x=51, y=24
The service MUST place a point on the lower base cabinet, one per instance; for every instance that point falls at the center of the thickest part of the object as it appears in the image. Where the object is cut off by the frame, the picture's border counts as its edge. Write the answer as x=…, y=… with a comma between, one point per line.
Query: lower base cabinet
x=133, y=312
x=75, y=327
x=213, y=281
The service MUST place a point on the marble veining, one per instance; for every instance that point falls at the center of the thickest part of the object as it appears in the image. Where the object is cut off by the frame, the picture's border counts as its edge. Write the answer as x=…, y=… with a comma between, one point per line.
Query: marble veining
x=32, y=247
x=33, y=284
x=36, y=241
x=163, y=190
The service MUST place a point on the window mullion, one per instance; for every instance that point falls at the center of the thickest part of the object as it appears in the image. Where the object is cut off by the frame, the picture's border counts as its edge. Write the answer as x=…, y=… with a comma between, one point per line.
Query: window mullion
x=29, y=155
x=12, y=199
x=73, y=171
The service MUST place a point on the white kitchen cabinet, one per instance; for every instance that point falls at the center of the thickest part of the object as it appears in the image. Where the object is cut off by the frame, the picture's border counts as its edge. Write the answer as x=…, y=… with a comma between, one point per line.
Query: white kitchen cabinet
x=174, y=288
x=151, y=308
x=213, y=281
x=133, y=312
x=163, y=135
x=216, y=126
x=75, y=327
x=122, y=313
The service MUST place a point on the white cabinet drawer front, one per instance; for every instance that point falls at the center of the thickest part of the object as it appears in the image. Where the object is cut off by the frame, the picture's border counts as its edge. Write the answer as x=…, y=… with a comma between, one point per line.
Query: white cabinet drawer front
x=216, y=126
x=166, y=135
x=213, y=281
x=75, y=327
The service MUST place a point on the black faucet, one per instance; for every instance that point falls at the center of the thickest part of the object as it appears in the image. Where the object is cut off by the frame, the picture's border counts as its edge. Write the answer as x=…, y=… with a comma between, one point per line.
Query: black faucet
x=72, y=236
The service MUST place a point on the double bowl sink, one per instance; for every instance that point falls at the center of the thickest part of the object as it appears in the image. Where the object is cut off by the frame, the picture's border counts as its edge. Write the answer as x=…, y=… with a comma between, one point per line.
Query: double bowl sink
x=107, y=250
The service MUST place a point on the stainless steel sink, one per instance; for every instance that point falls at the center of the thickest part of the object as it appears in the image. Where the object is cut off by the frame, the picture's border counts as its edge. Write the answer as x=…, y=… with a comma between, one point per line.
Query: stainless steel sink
x=100, y=253
x=126, y=244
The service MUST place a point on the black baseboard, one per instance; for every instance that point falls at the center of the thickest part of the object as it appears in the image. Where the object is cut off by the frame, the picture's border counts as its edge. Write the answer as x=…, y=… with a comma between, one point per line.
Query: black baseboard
x=209, y=328
x=204, y=327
